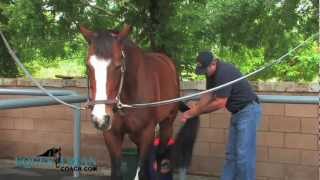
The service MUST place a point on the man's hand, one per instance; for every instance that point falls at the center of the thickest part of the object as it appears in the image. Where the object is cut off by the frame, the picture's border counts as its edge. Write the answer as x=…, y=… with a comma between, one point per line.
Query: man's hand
x=185, y=116
x=192, y=104
x=206, y=104
x=192, y=112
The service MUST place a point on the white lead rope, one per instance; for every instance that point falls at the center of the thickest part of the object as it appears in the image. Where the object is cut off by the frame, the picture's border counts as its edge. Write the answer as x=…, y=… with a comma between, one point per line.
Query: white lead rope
x=16, y=59
x=187, y=97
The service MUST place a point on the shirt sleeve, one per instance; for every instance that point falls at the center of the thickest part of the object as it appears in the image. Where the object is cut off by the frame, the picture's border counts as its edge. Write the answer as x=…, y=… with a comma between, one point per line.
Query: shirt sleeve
x=210, y=84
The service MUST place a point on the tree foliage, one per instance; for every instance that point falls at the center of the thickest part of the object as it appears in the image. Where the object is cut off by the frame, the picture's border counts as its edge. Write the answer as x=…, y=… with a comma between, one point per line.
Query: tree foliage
x=247, y=33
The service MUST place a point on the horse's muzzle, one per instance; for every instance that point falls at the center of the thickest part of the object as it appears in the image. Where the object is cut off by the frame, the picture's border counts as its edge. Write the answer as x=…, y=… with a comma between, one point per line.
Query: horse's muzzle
x=102, y=124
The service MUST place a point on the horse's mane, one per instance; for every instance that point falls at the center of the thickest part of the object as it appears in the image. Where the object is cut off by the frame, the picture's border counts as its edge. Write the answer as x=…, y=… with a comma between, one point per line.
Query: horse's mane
x=103, y=42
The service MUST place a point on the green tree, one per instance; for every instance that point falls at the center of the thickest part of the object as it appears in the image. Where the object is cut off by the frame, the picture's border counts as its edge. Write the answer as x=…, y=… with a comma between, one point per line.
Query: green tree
x=8, y=67
x=247, y=33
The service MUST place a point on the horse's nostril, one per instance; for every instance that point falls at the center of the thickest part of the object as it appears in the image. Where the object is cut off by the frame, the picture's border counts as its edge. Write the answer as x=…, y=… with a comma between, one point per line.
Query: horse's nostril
x=106, y=118
x=107, y=122
x=101, y=122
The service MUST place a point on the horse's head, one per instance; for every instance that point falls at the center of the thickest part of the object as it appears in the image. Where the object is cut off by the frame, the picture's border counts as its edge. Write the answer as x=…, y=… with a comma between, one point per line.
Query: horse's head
x=104, y=64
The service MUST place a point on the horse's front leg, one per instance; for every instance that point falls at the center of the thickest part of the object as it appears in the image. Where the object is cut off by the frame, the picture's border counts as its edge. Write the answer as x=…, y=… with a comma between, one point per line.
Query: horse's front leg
x=114, y=144
x=145, y=142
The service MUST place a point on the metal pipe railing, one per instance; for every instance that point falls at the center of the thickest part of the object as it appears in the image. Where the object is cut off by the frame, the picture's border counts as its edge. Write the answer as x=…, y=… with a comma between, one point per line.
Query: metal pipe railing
x=72, y=97
x=289, y=99
x=35, y=92
x=286, y=99
x=39, y=101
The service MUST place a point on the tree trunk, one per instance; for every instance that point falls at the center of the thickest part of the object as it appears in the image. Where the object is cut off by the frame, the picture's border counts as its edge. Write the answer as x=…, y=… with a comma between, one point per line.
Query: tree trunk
x=154, y=23
x=7, y=66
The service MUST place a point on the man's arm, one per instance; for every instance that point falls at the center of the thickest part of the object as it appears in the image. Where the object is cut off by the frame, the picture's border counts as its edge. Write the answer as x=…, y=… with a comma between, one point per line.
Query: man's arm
x=204, y=101
x=207, y=103
x=215, y=104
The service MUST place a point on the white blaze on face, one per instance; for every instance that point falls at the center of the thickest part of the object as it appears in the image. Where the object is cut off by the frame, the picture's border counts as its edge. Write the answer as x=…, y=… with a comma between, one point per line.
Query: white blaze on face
x=100, y=67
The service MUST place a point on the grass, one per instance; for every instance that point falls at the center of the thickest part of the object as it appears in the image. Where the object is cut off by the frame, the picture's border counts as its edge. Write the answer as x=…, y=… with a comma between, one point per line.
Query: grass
x=43, y=69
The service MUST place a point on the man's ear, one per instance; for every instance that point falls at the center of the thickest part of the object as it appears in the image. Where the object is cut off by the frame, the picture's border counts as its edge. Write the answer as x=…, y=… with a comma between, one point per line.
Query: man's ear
x=87, y=34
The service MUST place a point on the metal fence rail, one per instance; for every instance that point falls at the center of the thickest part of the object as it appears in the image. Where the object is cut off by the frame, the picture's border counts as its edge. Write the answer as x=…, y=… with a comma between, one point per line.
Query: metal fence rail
x=75, y=98
x=289, y=99
x=285, y=99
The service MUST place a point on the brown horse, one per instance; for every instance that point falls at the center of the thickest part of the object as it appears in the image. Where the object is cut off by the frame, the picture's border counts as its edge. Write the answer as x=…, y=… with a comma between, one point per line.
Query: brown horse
x=120, y=70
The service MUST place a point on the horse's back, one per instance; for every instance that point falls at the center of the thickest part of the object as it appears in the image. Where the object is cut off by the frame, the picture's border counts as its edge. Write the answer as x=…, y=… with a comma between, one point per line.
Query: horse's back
x=160, y=60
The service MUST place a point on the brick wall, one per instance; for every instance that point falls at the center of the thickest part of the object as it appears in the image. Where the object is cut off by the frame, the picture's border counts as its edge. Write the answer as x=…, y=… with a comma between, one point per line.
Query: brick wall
x=287, y=143
x=287, y=139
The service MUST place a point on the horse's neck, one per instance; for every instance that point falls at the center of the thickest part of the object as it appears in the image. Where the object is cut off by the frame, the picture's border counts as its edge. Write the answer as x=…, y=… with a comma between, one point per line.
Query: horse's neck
x=134, y=73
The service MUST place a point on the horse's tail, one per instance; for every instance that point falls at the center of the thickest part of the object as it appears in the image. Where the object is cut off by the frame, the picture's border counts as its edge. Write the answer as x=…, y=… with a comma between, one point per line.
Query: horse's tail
x=184, y=142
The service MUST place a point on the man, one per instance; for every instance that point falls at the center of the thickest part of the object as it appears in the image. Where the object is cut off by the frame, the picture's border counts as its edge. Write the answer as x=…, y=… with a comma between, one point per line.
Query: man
x=240, y=100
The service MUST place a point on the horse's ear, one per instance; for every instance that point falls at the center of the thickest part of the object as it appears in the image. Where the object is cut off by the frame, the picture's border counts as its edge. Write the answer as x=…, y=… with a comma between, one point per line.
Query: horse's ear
x=125, y=31
x=87, y=34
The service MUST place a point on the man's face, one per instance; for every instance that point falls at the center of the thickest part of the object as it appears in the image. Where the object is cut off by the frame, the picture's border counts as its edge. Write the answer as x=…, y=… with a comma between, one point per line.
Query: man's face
x=211, y=69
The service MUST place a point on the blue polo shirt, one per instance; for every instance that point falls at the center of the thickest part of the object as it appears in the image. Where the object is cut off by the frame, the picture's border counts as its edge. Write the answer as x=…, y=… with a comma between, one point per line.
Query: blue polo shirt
x=239, y=94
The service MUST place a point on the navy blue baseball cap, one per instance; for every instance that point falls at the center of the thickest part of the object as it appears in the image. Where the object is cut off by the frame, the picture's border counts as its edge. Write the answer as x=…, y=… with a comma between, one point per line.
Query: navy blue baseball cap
x=204, y=59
